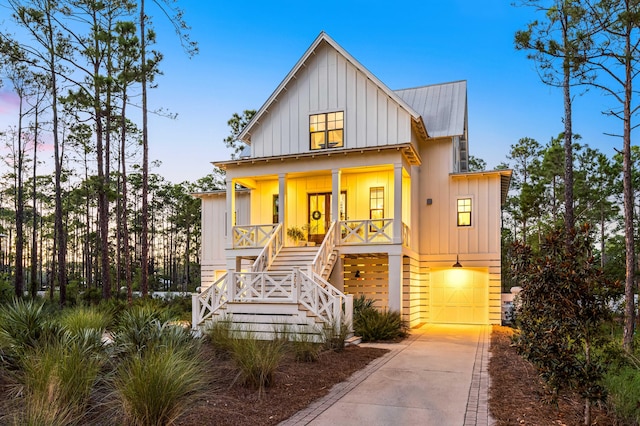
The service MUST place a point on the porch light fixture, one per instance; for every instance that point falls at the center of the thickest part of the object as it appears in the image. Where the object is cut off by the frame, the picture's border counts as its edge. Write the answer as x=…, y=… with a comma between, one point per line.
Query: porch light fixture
x=357, y=274
x=457, y=264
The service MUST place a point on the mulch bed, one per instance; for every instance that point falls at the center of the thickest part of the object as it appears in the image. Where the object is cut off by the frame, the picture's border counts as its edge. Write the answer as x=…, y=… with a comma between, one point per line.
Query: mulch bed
x=517, y=396
x=297, y=384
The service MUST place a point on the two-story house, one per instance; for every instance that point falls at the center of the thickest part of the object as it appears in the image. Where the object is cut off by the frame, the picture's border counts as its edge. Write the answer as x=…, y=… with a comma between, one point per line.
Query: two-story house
x=376, y=181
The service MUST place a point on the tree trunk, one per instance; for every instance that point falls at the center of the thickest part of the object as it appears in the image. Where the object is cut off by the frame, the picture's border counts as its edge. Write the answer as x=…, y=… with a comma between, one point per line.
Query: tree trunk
x=144, y=261
x=568, y=136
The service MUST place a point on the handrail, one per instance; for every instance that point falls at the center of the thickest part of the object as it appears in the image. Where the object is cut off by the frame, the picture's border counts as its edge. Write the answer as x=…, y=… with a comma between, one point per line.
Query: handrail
x=324, y=300
x=321, y=260
x=205, y=304
x=270, y=250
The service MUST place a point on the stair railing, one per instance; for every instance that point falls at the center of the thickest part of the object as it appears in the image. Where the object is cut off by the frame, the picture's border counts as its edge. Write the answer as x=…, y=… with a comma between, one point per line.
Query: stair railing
x=270, y=250
x=205, y=304
x=323, y=257
x=324, y=300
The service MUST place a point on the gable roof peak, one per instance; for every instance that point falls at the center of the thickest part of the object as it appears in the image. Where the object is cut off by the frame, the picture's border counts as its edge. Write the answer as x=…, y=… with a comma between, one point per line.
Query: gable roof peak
x=245, y=135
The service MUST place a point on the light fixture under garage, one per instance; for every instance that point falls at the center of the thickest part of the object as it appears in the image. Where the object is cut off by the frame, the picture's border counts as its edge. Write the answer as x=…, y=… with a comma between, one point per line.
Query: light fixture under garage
x=457, y=264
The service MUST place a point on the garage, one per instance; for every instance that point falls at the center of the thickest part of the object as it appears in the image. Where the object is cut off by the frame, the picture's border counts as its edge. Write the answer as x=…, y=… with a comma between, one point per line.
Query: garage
x=459, y=296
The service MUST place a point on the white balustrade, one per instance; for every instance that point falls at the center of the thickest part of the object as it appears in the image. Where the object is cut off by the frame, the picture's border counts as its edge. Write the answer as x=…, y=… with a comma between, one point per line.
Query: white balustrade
x=247, y=236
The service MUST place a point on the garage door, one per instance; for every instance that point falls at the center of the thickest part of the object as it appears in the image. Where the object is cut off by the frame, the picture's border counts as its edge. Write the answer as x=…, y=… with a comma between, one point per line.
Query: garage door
x=459, y=296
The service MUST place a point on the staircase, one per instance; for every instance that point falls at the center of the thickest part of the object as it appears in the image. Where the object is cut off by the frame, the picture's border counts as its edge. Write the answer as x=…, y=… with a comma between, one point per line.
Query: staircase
x=287, y=298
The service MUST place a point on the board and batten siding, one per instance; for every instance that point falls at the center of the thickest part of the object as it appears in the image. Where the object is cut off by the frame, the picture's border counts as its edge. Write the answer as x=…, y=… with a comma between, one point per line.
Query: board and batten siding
x=327, y=83
x=439, y=233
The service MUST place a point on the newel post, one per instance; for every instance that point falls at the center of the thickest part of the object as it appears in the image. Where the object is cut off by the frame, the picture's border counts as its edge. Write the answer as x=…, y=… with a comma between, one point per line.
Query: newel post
x=348, y=311
x=195, y=311
x=231, y=285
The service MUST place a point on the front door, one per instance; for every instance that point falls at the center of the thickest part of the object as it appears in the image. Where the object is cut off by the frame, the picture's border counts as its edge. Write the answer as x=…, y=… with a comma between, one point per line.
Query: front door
x=319, y=216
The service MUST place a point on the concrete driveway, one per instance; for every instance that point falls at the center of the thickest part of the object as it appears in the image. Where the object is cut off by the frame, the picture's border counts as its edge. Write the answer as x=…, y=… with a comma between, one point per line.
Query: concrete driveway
x=436, y=377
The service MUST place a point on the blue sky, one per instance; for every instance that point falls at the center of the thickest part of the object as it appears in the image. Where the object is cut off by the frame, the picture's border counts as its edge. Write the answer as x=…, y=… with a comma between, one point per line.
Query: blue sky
x=247, y=48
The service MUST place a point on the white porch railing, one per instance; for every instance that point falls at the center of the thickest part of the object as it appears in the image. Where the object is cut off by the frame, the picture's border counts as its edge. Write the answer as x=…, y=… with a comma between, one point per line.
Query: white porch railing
x=324, y=252
x=205, y=304
x=314, y=293
x=324, y=300
x=270, y=251
x=370, y=231
x=247, y=236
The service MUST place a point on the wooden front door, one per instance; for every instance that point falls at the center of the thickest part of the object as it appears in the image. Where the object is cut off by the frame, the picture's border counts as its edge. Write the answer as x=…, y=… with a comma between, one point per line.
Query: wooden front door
x=319, y=216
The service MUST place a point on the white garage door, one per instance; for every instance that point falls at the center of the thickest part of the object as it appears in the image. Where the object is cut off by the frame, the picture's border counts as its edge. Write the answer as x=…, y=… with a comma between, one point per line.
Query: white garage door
x=459, y=296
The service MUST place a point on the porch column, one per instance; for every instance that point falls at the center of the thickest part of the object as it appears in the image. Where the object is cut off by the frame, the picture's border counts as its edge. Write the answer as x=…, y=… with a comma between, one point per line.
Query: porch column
x=395, y=282
x=335, y=194
x=397, y=204
x=282, y=191
x=231, y=211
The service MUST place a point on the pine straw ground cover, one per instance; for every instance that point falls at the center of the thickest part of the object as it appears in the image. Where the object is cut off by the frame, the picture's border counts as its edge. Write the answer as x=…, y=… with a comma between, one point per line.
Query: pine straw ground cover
x=516, y=395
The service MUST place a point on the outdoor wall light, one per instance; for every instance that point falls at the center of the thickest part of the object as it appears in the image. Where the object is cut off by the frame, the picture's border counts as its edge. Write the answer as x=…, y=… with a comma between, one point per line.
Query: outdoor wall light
x=457, y=264
x=357, y=274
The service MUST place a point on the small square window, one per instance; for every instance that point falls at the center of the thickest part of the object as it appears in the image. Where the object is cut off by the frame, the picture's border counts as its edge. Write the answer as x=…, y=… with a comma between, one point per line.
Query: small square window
x=464, y=212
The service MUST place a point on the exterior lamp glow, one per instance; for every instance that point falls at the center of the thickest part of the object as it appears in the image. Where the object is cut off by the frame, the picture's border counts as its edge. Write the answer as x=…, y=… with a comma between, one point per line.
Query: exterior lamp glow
x=457, y=264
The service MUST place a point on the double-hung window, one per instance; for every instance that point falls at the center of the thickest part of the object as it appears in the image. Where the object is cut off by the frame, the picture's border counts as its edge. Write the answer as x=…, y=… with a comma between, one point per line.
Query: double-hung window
x=464, y=212
x=327, y=130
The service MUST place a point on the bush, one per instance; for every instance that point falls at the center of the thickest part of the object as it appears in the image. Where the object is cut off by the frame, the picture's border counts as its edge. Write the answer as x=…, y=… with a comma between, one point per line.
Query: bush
x=334, y=335
x=155, y=389
x=221, y=336
x=59, y=376
x=23, y=325
x=83, y=318
x=623, y=387
x=304, y=346
x=257, y=360
x=372, y=325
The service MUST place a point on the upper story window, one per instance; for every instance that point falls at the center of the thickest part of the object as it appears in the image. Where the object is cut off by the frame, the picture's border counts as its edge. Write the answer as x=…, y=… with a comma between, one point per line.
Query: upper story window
x=326, y=130
x=464, y=211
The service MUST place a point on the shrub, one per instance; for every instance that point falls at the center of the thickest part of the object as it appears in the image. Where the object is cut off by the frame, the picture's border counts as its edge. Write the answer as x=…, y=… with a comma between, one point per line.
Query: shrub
x=221, y=336
x=334, y=335
x=257, y=360
x=623, y=387
x=59, y=376
x=155, y=389
x=361, y=303
x=305, y=347
x=139, y=326
x=372, y=324
x=83, y=318
x=23, y=325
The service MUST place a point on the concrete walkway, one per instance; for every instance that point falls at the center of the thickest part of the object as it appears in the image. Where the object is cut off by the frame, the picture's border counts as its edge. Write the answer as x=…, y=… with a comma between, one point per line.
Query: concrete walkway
x=436, y=377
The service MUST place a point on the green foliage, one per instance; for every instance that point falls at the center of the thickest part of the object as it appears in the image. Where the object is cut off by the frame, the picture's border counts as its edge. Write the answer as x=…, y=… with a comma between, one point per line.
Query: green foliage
x=563, y=305
x=23, y=325
x=372, y=325
x=237, y=123
x=361, y=303
x=304, y=346
x=623, y=386
x=6, y=289
x=221, y=337
x=156, y=388
x=59, y=376
x=84, y=318
x=296, y=234
x=334, y=335
x=257, y=360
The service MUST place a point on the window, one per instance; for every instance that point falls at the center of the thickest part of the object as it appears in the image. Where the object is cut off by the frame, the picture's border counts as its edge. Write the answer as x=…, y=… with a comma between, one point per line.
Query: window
x=326, y=130
x=464, y=211
x=376, y=207
x=276, y=201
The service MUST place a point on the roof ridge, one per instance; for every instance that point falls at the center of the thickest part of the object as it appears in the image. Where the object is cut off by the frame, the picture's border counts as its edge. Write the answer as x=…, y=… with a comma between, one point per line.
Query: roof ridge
x=430, y=85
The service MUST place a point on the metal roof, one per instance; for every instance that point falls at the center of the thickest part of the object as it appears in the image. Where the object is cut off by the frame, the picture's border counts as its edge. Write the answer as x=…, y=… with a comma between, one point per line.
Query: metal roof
x=443, y=107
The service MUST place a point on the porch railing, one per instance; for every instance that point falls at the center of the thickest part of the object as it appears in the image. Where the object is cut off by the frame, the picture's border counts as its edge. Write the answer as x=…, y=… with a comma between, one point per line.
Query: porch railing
x=310, y=290
x=247, y=236
x=205, y=304
x=270, y=251
x=325, y=251
x=377, y=231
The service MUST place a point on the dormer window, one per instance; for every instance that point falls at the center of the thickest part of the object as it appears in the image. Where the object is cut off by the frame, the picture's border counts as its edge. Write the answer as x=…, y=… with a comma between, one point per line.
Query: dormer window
x=326, y=130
